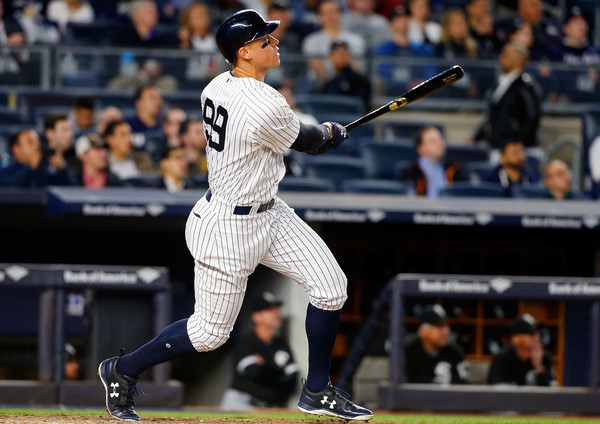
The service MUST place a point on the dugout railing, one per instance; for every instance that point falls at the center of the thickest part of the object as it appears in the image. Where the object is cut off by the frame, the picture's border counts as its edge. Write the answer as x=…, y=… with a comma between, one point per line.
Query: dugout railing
x=119, y=294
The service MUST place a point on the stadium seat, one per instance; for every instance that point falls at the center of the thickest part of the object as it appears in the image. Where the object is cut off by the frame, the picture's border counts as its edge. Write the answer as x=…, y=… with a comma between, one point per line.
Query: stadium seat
x=97, y=33
x=381, y=156
x=530, y=191
x=464, y=154
x=296, y=183
x=467, y=189
x=145, y=180
x=324, y=103
x=407, y=129
x=82, y=79
x=335, y=168
x=474, y=170
x=373, y=185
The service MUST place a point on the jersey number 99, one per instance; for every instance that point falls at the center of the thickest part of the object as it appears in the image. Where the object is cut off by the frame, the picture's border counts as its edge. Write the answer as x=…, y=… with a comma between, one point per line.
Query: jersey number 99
x=215, y=121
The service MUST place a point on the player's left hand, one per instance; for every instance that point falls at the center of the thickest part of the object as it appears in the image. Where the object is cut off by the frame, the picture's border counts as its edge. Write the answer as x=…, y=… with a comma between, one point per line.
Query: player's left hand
x=337, y=135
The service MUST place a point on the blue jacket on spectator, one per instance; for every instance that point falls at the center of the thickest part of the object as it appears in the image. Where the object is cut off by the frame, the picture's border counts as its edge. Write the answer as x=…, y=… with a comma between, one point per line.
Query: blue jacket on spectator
x=20, y=175
x=498, y=176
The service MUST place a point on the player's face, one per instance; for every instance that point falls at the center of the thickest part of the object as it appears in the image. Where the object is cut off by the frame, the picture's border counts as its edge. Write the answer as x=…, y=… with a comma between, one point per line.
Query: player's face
x=265, y=51
x=436, y=335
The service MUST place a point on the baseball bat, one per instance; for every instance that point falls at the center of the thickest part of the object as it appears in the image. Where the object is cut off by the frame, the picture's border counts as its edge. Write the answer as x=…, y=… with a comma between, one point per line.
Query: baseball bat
x=441, y=80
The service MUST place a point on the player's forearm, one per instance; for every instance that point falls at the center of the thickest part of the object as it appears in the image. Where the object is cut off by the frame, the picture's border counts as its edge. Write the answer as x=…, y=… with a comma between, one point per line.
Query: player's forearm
x=311, y=137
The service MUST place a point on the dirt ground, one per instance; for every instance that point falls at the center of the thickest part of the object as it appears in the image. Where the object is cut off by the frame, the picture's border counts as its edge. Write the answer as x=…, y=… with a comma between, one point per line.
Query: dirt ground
x=75, y=419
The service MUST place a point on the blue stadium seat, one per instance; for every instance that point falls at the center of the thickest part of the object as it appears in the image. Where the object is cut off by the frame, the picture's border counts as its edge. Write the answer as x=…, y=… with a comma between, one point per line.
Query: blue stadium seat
x=325, y=103
x=380, y=157
x=296, y=183
x=467, y=189
x=82, y=79
x=144, y=180
x=407, y=129
x=335, y=168
x=530, y=191
x=97, y=33
x=373, y=185
x=464, y=154
x=474, y=170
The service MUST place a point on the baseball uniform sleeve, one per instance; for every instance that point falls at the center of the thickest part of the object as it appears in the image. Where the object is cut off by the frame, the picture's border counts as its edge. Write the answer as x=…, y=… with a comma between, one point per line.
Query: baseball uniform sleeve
x=273, y=124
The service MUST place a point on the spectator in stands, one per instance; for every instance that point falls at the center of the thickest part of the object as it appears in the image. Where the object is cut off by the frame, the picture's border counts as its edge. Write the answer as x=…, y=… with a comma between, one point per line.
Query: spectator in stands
x=64, y=11
x=191, y=134
x=59, y=141
x=174, y=169
x=288, y=33
x=32, y=18
x=83, y=115
x=150, y=73
x=195, y=33
x=173, y=119
x=109, y=113
x=523, y=361
x=316, y=45
x=140, y=28
x=221, y=9
x=421, y=28
x=346, y=80
x=514, y=107
x=481, y=28
x=575, y=47
x=93, y=172
x=27, y=168
x=123, y=160
x=264, y=371
x=557, y=180
x=147, y=119
x=455, y=40
x=546, y=32
x=11, y=31
x=431, y=356
x=431, y=172
x=361, y=19
x=398, y=43
x=512, y=168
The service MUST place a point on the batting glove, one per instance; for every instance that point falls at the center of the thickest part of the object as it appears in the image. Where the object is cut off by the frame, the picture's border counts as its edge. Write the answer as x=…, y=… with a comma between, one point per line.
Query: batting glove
x=337, y=135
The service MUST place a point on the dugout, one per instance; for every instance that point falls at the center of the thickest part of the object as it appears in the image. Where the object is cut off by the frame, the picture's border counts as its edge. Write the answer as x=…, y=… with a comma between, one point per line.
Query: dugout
x=577, y=348
x=44, y=307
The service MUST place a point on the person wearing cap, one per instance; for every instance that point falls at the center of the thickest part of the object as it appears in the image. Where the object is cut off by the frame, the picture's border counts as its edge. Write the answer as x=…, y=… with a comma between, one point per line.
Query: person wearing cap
x=431, y=357
x=575, y=47
x=264, y=371
x=93, y=172
x=523, y=361
x=346, y=81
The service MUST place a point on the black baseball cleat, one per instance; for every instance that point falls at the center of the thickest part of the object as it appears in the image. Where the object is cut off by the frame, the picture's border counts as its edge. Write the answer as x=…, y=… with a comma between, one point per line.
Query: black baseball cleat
x=120, y=390
x=332, y=402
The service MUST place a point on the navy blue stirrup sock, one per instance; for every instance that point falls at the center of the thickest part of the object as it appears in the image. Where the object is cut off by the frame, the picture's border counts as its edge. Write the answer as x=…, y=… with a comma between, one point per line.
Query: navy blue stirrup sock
x=173, y=341
x=321, y=331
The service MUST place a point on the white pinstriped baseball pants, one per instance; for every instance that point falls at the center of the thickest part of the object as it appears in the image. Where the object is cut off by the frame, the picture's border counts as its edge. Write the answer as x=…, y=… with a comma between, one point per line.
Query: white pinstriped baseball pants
x=227, y=248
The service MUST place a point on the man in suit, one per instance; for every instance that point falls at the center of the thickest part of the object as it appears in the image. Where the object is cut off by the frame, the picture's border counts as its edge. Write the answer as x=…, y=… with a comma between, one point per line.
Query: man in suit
x=515, y=106
x=431, y=172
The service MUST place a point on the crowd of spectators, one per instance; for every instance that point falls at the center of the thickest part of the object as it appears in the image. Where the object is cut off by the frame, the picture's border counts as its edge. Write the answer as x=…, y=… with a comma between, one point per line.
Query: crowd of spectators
x=334, y=36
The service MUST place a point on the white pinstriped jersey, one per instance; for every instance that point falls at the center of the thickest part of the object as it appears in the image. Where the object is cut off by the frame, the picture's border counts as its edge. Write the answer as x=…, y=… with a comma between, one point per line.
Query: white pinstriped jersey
x=257, y=126
x=248, y=127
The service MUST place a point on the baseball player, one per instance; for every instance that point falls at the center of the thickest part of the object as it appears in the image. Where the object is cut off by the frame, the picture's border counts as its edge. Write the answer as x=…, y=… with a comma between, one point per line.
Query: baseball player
x=240, y=223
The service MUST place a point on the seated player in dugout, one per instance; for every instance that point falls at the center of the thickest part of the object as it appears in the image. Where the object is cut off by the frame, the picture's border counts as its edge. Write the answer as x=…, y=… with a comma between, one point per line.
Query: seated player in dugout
x=431, y=357
x=523, y=361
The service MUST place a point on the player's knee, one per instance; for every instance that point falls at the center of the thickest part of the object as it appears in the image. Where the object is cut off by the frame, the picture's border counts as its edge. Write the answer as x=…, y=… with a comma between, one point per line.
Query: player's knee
x=332, y=295
x=203, y=337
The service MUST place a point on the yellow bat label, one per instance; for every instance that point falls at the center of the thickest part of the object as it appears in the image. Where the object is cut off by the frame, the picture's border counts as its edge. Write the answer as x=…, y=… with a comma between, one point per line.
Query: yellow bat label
x=450, y=78
x=398, y=103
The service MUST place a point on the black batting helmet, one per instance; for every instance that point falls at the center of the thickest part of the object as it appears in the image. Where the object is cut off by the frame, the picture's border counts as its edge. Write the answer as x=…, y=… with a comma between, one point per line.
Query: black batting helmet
x=241, y=28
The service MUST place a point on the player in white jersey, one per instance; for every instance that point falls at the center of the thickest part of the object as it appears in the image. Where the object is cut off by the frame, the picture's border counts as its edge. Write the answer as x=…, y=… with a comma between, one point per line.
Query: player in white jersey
x=240, y=223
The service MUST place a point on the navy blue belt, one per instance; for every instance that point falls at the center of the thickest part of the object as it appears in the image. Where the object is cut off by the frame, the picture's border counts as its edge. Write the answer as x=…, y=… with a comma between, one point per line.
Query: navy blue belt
x=245, y=210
